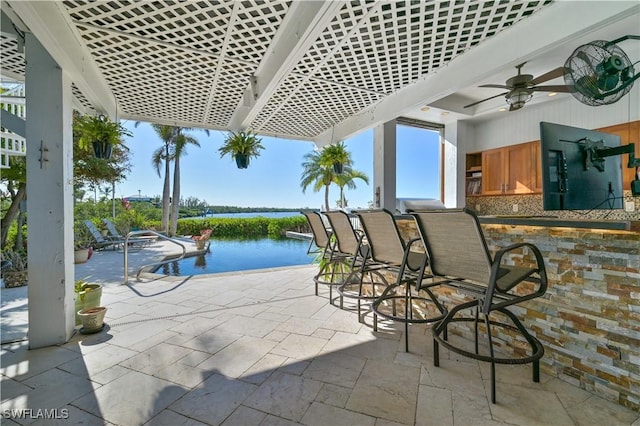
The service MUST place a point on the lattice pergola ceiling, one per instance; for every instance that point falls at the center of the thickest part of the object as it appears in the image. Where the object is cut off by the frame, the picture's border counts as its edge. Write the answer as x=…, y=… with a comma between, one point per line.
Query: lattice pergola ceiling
x=210, y=64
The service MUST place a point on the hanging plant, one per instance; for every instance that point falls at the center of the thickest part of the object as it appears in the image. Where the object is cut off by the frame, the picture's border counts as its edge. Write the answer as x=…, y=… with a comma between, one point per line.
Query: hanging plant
x=99, y=134
x=336, y=156
x=241, y=146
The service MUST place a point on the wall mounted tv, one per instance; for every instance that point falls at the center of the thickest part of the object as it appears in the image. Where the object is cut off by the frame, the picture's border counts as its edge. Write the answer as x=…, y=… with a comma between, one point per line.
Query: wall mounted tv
x=570, y=181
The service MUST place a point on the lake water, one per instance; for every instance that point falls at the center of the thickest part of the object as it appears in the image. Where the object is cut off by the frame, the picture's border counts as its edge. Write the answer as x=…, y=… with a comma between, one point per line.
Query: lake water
x=242, y=255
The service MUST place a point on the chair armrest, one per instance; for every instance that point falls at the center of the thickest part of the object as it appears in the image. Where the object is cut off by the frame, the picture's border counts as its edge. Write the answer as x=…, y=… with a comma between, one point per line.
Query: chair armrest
x=495, y=269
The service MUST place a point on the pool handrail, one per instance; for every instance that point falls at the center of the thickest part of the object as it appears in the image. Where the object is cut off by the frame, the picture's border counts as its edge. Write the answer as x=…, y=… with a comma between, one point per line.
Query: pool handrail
x=162, y=262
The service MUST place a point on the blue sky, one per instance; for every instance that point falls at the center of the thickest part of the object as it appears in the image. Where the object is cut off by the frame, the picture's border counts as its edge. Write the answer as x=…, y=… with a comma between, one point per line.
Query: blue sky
x=273, y=179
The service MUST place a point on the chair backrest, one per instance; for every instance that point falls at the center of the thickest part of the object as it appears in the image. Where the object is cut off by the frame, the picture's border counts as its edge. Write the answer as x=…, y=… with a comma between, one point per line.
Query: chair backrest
x=320, y=234
x=383, y=236
x=346, y=239
x=455, y=244
x=111, y=228
x=95, y=232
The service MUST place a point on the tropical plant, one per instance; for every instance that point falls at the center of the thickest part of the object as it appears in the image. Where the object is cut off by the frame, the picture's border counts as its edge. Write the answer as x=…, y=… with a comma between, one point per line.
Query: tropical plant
x=99, y=133
x=241, y=146
x=82, y=238
x=180, y=143
x=347, y=179
x=14, y=179
x=336, y=156
x=317, y=175
x=160, y=156
x=319, y=171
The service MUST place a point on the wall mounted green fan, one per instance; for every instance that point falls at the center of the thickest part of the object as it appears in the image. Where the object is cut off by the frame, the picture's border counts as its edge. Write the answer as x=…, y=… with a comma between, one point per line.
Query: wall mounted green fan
x=600, y=72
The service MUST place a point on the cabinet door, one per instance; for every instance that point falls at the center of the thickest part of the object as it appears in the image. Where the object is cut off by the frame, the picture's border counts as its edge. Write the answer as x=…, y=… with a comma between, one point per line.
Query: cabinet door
x=536, y=167
x=492, y=172
x=517, y=169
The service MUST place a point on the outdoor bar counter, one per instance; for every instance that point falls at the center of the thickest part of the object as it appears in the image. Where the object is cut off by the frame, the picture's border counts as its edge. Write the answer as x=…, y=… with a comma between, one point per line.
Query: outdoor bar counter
x=589, y=319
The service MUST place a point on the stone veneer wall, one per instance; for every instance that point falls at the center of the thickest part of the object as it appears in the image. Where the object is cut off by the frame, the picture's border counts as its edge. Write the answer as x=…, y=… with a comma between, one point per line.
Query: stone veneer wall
x=532, y=205
x=589, y=319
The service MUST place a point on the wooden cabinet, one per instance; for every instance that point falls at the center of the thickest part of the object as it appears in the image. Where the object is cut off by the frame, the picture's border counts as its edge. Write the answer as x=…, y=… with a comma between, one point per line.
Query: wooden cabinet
x=629, y=133
x=536, y=167
x=473, y=177
x=509, y=170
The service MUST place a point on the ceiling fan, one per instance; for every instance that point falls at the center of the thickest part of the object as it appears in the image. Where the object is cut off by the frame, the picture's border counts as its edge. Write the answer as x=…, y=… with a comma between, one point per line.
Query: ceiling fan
x=521, y=87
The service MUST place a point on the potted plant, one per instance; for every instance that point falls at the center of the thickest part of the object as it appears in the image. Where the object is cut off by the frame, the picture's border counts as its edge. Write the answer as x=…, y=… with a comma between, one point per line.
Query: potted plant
x=99, y=133
x=87, y=296
x=242, y=146
x=14, y=268
x=336, y=156
x=82, y=244
x=92, y=319
x=202, y=239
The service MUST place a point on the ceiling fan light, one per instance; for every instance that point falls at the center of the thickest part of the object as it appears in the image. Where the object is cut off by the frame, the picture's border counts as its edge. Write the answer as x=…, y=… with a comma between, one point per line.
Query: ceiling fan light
x=517, y=98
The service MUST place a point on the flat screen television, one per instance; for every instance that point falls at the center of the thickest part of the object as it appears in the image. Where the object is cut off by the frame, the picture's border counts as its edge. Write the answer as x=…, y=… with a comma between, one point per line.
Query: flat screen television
x=570, y=181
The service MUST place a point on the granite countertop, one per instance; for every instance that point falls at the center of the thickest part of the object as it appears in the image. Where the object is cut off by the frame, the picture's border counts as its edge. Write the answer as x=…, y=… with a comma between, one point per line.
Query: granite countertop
x=549, y=221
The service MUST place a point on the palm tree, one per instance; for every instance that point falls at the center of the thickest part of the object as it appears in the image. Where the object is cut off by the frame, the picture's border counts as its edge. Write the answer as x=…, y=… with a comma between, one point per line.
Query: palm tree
x=347, y=178
x=316, y=174
x=160, y=155
x=180, y=143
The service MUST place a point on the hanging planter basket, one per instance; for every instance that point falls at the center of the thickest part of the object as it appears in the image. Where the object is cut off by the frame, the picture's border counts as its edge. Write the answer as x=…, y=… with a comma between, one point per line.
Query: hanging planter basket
x=337, y=168
x=102, y=149
x=242, y=161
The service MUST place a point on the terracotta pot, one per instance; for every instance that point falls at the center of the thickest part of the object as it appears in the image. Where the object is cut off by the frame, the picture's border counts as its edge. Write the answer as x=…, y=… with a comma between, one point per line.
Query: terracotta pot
x=92, y=319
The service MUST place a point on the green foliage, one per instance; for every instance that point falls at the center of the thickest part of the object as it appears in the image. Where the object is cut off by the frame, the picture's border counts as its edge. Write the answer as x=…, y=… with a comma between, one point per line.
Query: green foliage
x=242, y=227
x=241, y=143
x=97, y=128
x=335, y=153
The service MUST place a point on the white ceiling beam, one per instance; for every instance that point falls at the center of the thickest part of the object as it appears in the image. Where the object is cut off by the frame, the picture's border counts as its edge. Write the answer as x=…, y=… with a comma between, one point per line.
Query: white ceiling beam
x=50, y=24
x=559, y=23
x=303, y=24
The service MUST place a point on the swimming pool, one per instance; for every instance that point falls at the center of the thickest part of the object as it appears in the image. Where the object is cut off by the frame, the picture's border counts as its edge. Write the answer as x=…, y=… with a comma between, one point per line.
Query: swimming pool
x=241, y=255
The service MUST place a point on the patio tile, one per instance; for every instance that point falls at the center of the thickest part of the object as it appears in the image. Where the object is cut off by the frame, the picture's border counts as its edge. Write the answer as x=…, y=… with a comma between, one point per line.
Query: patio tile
x=299, y=346
x=211, y=341
x=183, y=375
x=334, y=395
x=285, y=395
x=193, y=358
x=171, y=418
x=214, y=399
x=198, y=324
x=261, y=370
x=51, y=389
x=435, y=407
x=336, y=368
x=366, y=347
x=238, y=357
x=155, y=358
x=248, y=326
x=244, y=416
x=596, y=410
x=98, y=361
x=306, y=326
x=271, y=420
x=131, y=399
x=322, y=414
x=384, y=390
x=23, y=363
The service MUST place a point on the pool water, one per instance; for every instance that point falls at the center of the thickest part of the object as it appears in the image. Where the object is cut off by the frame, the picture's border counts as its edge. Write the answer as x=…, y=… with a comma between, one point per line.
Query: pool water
x=241, y=255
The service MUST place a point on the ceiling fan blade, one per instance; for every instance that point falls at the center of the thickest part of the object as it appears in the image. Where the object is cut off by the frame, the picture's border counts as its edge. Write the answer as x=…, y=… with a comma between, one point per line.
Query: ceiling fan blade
x=496, y=86
x=558, y=72
x=558, y=88
x=492, y=97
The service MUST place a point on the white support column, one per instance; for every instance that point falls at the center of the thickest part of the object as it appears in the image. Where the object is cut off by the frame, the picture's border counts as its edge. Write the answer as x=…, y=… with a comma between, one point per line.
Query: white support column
x=49, y=198
x=457, y=139
x=384, y=166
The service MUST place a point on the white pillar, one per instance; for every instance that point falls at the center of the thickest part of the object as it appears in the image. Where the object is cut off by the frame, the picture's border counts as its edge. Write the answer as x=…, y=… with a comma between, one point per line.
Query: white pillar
x=49, y=198
x=384, y=166
x=457, y=139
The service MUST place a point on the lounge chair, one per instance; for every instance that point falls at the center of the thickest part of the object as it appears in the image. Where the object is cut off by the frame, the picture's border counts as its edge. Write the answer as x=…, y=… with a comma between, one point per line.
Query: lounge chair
x=396, y=256
x=115, y=235
x=100, y=241
x=459, y=255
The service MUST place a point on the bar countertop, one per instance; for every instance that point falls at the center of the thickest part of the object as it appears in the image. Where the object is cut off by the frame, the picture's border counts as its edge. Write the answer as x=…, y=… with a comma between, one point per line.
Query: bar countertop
x=549, y=221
